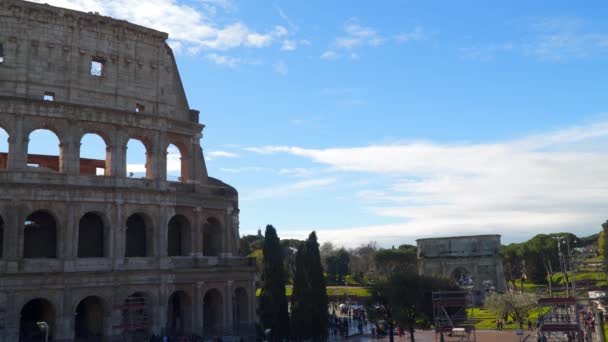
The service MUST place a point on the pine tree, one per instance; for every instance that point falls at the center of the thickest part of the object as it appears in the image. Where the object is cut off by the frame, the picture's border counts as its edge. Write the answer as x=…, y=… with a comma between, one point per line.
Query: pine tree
x=309, y=316
x=273, y=302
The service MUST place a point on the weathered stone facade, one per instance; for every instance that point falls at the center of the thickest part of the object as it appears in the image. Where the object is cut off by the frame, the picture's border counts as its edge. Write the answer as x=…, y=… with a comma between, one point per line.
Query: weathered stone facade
x=103, y=257
x=464, y=258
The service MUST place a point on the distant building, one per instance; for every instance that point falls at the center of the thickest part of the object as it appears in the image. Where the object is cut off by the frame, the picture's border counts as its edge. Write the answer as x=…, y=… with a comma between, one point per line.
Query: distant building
x=473, y=261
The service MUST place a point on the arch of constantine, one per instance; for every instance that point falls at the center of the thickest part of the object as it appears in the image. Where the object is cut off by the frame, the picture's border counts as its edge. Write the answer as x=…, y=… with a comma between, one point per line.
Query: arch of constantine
x=86, y=246
x=473, y=262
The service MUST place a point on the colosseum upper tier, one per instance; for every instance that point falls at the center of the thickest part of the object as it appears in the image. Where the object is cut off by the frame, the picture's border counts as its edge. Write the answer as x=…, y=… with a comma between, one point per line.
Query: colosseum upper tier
x=91, y=250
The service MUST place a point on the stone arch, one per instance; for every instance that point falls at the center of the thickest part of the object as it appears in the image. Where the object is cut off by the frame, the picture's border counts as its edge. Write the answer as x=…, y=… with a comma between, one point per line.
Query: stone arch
x=174, y=164
x=89, y=320
x=241, y=309
x=178, y=236
x=36, y=310
x=178, y=165
x=462, y=276
x=213, y=319
x=139, y=236
x=179, y=314
x=40, y=235
x=41, y=154
x=136, y=315
x=94, y=154
x=4, y=147
x=212, y=237
x=91, y=235
x=136, y=163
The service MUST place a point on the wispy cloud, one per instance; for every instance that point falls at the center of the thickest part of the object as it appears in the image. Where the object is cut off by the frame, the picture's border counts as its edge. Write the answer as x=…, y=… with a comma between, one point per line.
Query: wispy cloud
x=223, y=60
x=289, y=189
x=222, y=154
x=281, y=68
x=416, y=34
x=356, y=36
x=539, y=183
x=548, y=39
x=194, y=28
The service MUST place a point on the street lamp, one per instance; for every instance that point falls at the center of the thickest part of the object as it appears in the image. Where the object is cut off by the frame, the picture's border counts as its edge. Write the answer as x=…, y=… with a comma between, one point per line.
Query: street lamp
x=44, y=327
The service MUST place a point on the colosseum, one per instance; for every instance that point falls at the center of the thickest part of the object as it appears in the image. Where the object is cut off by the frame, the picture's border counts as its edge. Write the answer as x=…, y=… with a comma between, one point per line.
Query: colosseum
x=90, y=249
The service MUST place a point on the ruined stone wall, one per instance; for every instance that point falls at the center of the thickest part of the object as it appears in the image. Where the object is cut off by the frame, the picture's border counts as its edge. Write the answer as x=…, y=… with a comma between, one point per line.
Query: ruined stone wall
x=187, y=229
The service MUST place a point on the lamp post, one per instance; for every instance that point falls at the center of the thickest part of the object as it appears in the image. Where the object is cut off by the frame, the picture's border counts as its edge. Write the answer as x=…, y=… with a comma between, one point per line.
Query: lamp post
x=44, y=327
x=562, y=262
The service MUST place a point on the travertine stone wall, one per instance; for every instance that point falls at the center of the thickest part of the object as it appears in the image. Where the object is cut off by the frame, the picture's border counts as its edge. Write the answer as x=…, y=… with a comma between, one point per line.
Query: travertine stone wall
x=47, y=49
x=478, y=256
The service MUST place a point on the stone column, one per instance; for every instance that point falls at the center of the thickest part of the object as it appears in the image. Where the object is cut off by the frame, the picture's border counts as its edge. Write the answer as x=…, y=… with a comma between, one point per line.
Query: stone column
x=69, y=151
x=199, y=292
x=17, y=151
x=197, y=233
x=229, y=307
x=64, y=317
x=118, y=160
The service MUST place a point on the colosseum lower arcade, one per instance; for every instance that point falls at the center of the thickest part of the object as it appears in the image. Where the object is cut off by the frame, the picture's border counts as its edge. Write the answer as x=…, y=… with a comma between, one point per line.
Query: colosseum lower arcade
x=94, y=251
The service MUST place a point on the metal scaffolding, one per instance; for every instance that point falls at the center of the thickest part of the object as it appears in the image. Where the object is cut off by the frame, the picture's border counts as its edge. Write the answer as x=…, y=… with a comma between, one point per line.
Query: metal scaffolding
x=561, y=322
x=452, y=319
x=135, y=320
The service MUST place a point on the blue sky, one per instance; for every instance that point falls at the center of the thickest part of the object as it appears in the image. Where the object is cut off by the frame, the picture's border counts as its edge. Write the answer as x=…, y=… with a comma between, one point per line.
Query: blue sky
x=396, y=120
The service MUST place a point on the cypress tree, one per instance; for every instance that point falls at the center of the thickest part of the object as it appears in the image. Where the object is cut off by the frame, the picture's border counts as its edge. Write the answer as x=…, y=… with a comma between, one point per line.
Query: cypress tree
x=273, y=302
x=309, y=313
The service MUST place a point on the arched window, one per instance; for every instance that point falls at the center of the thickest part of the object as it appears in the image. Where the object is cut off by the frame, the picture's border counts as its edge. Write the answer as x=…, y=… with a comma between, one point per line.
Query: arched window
x=36, y=310
x=3, y=149
x=90, y=236
x=93, y=155
x=139, y=236
x=174, y=164
x=88, y=322
x=178, y=236
x=179, y=314
x=43, y=150
x=212, y=237
x=40, y=236
x=241, y=310
x=212, y=313
x=136, y=159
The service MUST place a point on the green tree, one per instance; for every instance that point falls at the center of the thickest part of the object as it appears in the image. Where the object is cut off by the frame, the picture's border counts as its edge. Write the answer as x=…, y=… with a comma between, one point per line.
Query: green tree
x=309, y=314
x=406, y=297
x=272, y=309
x=388, y=261
x=514, y=304
x=604, y=245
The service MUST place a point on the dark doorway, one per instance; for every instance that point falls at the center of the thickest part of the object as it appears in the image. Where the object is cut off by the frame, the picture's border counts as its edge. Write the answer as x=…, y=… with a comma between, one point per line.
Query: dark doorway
x=90, y=236
x=178, y=239
x=88, y=323
x=179, y=314
x=212, y=313
x=212, y=237
x=36, y=310
x=136, y=243
x=40, y=236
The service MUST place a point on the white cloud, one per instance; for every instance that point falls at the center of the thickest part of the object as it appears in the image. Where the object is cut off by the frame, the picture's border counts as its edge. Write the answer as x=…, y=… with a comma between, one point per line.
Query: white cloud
x=289, y=189
x=289, y=45
x=329, y=55
x=190, y=28
x=412, y=36
x=223, y=60
x=281, y=68
x=224, y=154
x=540, y=183
x=296, y=172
